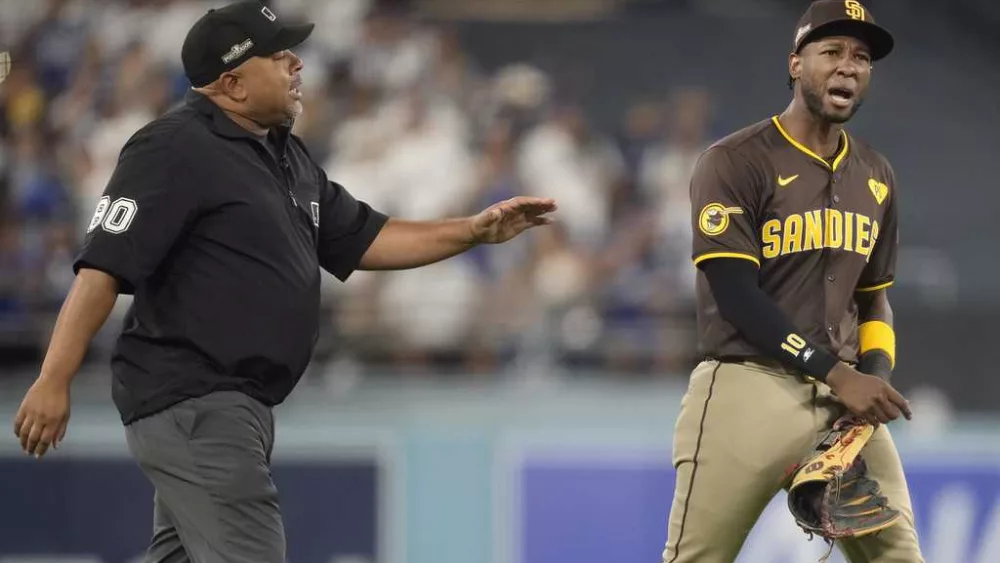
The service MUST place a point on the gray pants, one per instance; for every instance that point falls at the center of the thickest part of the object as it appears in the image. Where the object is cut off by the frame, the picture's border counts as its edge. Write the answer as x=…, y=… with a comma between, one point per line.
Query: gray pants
x=209, y=461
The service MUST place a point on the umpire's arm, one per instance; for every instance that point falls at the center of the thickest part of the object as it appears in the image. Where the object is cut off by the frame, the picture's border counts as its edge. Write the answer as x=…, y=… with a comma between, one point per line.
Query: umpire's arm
x=86, y=308
x=411, y=244
x=43, y=415
x=353, y=236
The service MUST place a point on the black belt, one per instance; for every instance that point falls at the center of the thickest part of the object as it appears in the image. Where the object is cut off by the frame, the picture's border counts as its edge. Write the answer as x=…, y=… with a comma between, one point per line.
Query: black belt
x=765, y=361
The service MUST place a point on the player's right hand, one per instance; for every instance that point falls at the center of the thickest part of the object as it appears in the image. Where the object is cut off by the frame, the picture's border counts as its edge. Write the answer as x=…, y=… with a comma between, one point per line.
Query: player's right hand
x=867, y=396
x=43, y=416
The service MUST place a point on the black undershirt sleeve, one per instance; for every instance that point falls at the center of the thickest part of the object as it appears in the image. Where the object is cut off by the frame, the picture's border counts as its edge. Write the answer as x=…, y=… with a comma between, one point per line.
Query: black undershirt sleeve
x=744, y=304
x=876, y=362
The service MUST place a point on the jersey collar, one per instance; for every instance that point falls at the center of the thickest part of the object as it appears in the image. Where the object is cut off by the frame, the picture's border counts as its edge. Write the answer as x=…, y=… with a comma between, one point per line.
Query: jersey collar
x=220, y=123
x=836, y=162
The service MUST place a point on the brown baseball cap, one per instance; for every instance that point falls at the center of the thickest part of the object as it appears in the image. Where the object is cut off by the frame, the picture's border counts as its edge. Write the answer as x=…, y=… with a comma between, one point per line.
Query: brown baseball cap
x=824, y=18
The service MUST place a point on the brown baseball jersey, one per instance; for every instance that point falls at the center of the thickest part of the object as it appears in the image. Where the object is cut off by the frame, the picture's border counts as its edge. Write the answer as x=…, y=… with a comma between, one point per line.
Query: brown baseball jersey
x=819, y=230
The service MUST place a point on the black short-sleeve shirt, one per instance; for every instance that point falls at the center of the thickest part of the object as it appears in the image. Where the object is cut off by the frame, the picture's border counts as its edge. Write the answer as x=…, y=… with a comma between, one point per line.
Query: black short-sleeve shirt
x=819, y=230
x=221, y=245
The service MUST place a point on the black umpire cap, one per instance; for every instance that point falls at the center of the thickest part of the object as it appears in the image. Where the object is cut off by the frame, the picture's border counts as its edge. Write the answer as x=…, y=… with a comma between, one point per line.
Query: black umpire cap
x=824, y=18
x=224, y=38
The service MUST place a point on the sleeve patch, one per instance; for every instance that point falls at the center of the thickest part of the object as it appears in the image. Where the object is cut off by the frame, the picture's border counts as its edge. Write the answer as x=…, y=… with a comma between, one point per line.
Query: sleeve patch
x=99, y=213
x=114, y=217
x=714, y=218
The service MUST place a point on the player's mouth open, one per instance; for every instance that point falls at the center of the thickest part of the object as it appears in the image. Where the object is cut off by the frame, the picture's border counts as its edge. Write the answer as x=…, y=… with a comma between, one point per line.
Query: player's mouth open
x=294, y=90
x=841, y=97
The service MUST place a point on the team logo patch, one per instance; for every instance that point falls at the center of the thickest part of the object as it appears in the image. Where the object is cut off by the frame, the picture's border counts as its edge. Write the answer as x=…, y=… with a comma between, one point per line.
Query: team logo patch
x=237, y=51
x=314, y=207
x=879, y=190
x=714, y=218
x=854, y=9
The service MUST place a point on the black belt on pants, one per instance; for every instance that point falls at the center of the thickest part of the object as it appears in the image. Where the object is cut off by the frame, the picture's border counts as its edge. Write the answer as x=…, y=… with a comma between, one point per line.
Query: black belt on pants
x=765, y=361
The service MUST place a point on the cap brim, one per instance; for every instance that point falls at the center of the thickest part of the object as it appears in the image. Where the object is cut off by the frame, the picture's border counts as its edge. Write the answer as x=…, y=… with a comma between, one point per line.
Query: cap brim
x=879, y=39
x=289, y=36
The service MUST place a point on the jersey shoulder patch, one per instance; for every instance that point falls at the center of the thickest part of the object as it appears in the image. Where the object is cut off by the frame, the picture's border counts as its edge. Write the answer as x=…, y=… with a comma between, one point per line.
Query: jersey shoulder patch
x=113, y=217
x=713, y=220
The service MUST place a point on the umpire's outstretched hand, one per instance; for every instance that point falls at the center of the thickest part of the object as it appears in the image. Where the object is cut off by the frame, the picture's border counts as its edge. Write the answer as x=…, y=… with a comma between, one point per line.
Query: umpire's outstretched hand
x=503, y=221
x=44, y=414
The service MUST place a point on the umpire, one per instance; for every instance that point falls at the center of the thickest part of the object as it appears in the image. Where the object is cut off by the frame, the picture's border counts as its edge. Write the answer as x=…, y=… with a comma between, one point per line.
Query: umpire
x=217, y=220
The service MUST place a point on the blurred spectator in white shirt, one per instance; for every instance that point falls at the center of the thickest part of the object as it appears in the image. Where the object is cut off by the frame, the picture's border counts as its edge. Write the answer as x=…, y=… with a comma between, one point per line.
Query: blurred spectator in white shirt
x=340, y=22
x=395, y=53
x=138, y=95
x=665, y=178
x=564, y=158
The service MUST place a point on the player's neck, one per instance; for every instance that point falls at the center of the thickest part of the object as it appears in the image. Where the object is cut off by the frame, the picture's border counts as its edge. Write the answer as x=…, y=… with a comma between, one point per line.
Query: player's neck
x=810, y=130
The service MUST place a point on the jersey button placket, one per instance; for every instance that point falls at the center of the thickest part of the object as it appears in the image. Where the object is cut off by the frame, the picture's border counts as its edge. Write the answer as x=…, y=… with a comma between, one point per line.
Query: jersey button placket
x=285, y=172
x=827, y=255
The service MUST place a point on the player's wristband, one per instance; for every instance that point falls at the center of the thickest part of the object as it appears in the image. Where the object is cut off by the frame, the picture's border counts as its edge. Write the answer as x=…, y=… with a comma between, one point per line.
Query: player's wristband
x=807, y=356
x=876, y=362
x=877, y=335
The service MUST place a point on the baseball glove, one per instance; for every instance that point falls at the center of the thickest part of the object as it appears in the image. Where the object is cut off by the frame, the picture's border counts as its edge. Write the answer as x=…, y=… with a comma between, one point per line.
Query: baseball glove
x=831, y=495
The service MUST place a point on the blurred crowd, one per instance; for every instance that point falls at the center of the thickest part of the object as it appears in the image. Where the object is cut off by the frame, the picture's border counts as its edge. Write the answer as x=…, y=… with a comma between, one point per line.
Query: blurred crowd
x=399, y=112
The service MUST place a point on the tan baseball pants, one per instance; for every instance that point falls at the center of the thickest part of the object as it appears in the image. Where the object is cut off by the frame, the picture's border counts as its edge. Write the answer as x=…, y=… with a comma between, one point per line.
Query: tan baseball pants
x=742, y=426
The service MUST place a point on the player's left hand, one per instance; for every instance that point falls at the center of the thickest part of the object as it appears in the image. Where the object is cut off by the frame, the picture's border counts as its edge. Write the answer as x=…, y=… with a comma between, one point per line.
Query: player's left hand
x=505, y=220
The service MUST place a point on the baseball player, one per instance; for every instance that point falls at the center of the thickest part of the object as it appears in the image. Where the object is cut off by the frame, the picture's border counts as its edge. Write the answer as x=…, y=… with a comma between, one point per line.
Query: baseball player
x=218, y=221
x=795, y=240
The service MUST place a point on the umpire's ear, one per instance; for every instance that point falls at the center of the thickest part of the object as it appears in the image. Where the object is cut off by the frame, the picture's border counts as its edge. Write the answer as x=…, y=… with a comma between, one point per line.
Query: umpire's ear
x=232, y=84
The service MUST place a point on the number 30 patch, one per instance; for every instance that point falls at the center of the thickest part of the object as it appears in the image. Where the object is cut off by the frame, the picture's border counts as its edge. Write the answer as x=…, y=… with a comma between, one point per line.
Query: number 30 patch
x=114, y=217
